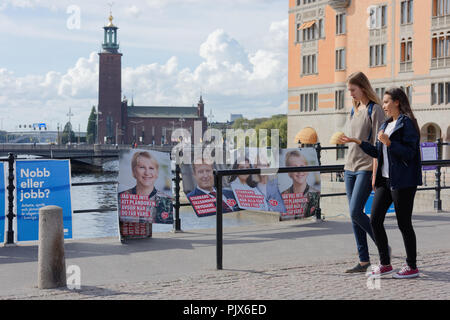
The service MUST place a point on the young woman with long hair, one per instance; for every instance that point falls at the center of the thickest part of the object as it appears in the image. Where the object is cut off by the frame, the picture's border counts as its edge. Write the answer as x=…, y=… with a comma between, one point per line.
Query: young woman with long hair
x=398, y=175
x=366, y=117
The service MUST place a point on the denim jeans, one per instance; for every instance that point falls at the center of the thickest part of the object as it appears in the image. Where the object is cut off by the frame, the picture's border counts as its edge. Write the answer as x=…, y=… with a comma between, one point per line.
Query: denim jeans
x=358, y=185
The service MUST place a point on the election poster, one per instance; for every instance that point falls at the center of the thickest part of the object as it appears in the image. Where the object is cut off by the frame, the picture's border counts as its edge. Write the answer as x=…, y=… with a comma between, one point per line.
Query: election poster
x=198, y=185
x=300, y=190
x=41, y=183
x=2, y=203
x=429, y=151
x=144, y=192
x=257, y=191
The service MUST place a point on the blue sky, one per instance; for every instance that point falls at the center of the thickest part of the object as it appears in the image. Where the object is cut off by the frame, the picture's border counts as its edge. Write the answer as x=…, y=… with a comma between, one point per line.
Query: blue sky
x=232, y=51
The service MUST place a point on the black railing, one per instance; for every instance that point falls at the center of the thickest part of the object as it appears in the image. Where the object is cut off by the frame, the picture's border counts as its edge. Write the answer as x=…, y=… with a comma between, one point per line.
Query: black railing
x=219, y=174
x=218, y=182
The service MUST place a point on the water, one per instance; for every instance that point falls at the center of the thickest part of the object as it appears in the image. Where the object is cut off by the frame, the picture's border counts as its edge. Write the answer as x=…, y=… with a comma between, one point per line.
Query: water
x=105, y=224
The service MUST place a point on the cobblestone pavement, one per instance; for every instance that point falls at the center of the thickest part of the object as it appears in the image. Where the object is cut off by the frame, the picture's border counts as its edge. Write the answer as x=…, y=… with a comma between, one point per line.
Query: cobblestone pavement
x=287, y=282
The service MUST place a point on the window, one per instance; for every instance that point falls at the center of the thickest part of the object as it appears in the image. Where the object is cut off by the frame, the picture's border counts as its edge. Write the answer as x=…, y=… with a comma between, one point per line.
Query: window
x=339, y=98
x=340, y=59
x=380, y=92
x=406, y=50
x=377, y=55
x=440, y=93
x=440, y=45
x=298, y=33
x=378, y=17
x=408, y=91
x=321, y=29
x=310, y=33
x=308, y=102
x=407, y=12
x=308, y=1
x=340, y=23
x=309, y=64
x=441, y=8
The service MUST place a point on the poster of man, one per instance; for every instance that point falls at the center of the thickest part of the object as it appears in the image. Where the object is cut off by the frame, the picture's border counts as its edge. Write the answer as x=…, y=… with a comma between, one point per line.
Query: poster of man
x=144, y=192
x=198, y=185
x=300, y=190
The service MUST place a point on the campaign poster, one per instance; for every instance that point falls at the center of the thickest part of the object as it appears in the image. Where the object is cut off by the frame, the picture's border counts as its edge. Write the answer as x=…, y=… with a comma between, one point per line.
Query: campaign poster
x=257, y=191
x=2, y=203
x=41, y=183
x=144, y=192
x=198, y=185
x=429, y=151
x=300, y=190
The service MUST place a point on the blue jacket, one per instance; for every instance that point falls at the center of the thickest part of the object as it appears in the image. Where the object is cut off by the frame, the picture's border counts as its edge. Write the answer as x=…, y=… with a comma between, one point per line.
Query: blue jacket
x=405, y=169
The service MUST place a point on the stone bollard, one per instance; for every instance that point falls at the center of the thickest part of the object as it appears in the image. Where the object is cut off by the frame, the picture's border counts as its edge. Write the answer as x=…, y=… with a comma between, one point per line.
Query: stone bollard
x=51, y=258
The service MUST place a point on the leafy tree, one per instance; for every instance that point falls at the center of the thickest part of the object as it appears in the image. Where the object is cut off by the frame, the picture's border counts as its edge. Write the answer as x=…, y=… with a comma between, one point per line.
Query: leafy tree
x=278, y=121
x=68, y=135
x=91, y=133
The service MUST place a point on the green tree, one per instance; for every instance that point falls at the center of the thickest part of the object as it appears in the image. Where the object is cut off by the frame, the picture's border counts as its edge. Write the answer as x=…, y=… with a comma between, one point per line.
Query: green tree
x=278, y=121
x=68, y=135
x=91, y=134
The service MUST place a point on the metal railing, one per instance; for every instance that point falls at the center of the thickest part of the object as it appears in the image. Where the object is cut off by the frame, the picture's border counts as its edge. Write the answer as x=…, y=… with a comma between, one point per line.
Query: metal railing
x=219, y=174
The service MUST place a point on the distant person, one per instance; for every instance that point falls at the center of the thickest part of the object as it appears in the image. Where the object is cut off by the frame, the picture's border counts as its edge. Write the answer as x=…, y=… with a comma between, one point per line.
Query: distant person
x=204, y=178
x=397, y=177
x=359, y=175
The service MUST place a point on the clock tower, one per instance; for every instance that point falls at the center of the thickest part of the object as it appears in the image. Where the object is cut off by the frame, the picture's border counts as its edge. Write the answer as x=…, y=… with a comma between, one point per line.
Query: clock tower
x=110, y=87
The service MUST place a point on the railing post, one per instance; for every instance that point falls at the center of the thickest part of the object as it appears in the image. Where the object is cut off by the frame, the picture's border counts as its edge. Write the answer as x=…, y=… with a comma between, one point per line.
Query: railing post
x=219, y=221
x=11, y=187
x=318, y=148
x=437, y=200
x=177, y=198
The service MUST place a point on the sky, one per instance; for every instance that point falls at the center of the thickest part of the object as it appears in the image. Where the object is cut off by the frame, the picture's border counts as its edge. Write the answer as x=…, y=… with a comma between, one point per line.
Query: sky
x=232, y=52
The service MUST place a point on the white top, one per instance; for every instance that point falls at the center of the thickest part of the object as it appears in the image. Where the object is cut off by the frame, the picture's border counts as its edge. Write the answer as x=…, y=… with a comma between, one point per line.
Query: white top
x=385, y=168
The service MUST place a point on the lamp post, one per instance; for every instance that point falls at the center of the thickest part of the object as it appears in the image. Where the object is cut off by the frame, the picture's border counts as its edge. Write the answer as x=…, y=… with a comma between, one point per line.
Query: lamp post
x=96, y=126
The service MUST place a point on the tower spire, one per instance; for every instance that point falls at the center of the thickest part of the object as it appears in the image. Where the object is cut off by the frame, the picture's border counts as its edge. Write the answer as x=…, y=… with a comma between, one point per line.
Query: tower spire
x=110, y=44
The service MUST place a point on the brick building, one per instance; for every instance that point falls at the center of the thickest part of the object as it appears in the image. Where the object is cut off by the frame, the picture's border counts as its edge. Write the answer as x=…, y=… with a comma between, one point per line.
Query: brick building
x=119, y=122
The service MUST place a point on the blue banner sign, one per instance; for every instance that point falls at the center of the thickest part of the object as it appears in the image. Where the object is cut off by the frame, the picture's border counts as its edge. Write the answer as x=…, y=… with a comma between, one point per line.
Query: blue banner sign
x=2, y=203
x=368, y=205
x=41, y=183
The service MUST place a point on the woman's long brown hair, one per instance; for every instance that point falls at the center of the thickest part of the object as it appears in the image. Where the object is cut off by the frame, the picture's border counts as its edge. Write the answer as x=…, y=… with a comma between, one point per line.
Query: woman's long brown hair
x=399, y=95
x=360, y=79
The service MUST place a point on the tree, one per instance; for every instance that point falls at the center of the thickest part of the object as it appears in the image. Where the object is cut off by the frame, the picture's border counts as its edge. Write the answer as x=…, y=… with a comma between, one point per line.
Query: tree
x=91, y=134
x=68, y=135
x=278, y=121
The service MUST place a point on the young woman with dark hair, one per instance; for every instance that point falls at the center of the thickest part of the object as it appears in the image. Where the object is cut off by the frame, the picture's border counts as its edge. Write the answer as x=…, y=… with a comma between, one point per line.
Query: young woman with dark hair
x=398, y=175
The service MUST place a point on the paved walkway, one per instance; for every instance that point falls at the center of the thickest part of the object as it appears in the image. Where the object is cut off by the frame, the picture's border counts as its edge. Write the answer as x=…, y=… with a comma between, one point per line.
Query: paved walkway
x=285, y=260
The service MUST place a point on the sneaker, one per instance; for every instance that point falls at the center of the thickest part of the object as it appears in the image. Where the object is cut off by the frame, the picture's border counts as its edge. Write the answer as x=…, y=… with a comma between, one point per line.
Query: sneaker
x=380, y=270
x=406, y=272
x=358, y=268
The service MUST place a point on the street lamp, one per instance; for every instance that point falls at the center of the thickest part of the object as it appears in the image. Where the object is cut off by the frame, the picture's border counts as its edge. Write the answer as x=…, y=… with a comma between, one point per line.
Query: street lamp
x=96, y=125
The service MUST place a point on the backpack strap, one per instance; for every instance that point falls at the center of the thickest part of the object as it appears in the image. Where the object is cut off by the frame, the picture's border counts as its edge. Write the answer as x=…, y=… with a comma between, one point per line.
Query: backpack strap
x=369, y=111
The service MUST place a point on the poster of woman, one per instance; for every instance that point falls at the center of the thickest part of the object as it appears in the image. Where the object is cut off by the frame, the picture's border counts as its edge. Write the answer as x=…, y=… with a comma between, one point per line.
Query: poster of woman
x=144, y=192
x=300, y=190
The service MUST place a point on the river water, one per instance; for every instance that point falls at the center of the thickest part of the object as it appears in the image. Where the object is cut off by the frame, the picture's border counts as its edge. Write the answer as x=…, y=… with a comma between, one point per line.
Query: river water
x=105, y=224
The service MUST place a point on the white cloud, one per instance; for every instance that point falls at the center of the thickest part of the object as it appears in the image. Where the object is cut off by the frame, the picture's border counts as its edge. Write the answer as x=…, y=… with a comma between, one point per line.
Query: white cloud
x=231, y=78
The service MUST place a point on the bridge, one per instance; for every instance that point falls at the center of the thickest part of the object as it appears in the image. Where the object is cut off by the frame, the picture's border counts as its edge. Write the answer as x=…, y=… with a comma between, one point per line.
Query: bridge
x=82, y=156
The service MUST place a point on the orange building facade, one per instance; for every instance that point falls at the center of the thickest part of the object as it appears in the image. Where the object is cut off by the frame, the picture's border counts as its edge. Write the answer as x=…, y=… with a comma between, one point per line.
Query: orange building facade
x=403, y=43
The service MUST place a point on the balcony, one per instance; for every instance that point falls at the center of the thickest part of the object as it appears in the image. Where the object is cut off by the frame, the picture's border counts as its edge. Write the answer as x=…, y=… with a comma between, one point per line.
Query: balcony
x=439, y=63
x=438, y=22
x=339, y=4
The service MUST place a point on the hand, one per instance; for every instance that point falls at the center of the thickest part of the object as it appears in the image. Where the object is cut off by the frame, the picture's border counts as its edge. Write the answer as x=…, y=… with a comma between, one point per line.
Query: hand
x=384, y=138
x=344, y=139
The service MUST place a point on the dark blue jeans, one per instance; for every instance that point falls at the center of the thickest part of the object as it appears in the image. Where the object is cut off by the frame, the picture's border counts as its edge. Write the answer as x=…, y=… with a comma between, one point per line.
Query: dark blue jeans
x=359, y=185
